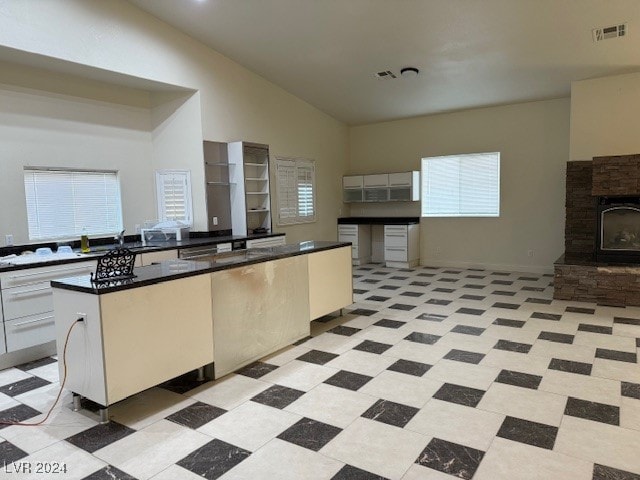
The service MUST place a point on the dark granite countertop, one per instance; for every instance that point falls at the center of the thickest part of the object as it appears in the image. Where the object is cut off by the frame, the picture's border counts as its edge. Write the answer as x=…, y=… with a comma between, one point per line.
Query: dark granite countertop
x=176, y=269
x=378, y=220
x=138, y=247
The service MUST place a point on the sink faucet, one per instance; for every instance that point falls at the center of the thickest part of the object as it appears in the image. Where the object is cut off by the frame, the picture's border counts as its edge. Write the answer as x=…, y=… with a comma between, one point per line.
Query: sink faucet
x=120, y=237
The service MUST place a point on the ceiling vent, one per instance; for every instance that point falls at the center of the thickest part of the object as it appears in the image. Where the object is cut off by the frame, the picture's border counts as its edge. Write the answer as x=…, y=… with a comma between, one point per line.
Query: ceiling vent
x=386, y=75
x=606, y=33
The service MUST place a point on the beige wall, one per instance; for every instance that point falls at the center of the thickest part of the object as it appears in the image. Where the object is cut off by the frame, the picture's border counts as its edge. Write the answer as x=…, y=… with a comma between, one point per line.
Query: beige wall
x=236, y=104
x=533, y=139
x=604, y=116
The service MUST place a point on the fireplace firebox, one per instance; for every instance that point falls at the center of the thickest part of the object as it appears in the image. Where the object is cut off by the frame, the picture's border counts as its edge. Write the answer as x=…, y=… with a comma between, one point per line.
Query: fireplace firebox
x=618, y=230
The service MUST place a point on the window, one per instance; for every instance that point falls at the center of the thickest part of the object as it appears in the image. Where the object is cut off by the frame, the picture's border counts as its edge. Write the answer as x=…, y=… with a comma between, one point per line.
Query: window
x=296, y=190
x=173, y=189
x=61, y=203
x=461, y=185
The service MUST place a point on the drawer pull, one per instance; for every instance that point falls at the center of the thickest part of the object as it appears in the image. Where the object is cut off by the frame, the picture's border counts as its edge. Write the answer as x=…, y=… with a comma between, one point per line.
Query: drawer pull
x=398, y=249
x=33, y=290
x=33, y=321
x=395, y=235
x=50, y=272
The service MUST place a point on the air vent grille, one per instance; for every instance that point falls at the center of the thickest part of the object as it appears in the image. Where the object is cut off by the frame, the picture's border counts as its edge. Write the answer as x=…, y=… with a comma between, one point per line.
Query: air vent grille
x=606, y=33
x=386, y=75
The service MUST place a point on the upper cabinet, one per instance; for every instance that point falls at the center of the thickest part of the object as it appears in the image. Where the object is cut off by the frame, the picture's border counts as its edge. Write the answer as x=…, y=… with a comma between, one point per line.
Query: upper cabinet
x=385, y=187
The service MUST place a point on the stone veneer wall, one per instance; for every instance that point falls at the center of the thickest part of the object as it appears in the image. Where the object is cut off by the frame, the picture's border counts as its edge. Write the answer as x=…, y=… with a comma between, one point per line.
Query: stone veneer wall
x=616, y=286
x=580, y=220
x=617, y=175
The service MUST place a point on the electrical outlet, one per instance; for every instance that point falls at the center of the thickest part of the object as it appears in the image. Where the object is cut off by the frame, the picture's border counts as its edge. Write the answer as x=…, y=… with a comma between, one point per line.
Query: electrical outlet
x=81, y=317
x=215, y=220
x=530, y=253
x=8, y=240
x=438, y=250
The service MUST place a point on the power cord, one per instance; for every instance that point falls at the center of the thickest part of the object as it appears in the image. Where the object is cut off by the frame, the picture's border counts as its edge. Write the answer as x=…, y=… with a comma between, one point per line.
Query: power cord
x=64, y=380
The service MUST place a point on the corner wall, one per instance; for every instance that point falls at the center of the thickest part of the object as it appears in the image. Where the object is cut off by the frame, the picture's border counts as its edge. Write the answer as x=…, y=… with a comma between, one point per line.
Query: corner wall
x=533, y=139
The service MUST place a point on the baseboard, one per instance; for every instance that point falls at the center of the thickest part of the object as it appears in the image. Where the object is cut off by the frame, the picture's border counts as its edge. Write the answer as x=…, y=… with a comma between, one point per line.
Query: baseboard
x=488, y=266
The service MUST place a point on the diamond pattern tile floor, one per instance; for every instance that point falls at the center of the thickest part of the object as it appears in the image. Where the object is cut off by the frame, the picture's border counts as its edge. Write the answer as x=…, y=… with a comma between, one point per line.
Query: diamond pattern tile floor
x=431, y=373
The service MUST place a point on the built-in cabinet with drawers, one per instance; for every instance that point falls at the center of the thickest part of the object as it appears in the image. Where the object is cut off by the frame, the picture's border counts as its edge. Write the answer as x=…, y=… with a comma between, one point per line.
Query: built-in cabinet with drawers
x=401, y=245
x=383, y=187
x=360, y=238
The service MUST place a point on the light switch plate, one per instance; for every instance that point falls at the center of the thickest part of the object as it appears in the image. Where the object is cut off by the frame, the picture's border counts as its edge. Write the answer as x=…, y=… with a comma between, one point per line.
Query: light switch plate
x=8, y=240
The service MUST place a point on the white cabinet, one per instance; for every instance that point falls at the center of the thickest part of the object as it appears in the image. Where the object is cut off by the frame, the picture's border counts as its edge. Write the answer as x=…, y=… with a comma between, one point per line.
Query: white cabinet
x=3, y=345
x=156, y=257
x=267, y=241
x=353, y=181
x=383, y=187
x=401, y=245
x=360, y=238
x=352, y=186
x=404, y=186
x=379, y=180
x=28, y=304
x=224, y=247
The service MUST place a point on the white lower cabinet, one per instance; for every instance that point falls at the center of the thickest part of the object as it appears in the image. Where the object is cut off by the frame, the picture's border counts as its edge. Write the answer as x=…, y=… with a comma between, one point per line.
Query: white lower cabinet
x=401, y=245
x=267, y=241
x=360, y=238
x=30, y=331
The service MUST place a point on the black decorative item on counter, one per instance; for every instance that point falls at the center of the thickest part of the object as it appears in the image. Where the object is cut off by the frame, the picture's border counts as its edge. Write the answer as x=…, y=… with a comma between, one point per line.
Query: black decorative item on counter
x=116, y=265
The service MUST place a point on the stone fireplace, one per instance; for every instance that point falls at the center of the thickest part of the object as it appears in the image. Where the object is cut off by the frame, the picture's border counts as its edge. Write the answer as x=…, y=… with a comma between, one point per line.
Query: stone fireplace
x=618, y=230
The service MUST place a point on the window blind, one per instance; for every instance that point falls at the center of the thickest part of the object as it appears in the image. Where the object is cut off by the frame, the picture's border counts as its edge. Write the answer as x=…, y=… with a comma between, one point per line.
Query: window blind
x=174, y=195
x=461, y=185
x=295, y=186
x=63, y=203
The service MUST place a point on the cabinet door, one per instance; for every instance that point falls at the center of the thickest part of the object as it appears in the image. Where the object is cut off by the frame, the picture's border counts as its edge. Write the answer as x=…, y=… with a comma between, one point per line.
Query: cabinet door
x=27, y=300
x=330, y=281
x=376, y=194
x=400, y=179
x=352, y=181
x=379, y=180
x=30, y=331
x=395, y=254
x=155, y=257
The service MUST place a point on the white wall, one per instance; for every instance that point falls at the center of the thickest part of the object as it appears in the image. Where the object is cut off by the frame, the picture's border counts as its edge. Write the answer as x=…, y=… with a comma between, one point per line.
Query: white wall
x=236, y=104
x=604, y=116
x=533, y=139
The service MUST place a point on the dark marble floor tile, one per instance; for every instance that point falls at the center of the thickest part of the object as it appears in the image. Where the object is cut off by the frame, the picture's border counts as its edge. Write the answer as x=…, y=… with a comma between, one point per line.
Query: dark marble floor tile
x=556, y=337
x=278, y=396
x=502, y=282
x=432, y=317
x=348, y=380
x=637, y=342
x=372, y=347
x=467, y=396
x=409, y=270
x=585, y=327
x=529, y=279
x=310, y=434
x=452, y=458
x=507, y=306
x=389, y=287
x=23, y=386
x=531, y=433
x=626, y=320
x=507, y=322
x=411, y=294
x=437, y=301
x=183, y=383
x=586, y=311
x=356, y=276
x=10, y=453
x=365, y=312
x=468, y=330
x=454, y=272
x=391, y=413
x=359, y=291
x=19, y=413
x=519, y=379
x=420, y=337
x=479, y=277
x=318, y=357
x=100, y=436
x=470, y=311
x=444, y=290
x=504, y=293
x=541, y=301
x=410, y=367
x=512, y=346
x=325, y=319
x=366, y=269
x=349, y=472
x=109, y=473
x=602, y=472
x=472, y=297
x=344, y=330
x=36, y=363
x=627, y=389
x=528, y=288
x=598, y=412
x=419, y=284
x=464, y=356
x=370, y=280
x=196, y=415
x=398, y=277
x=377, y=298
x=424, y=274
x=617, y=355
x=257, y=369
x=380, y=273
x=449, y=280
x=387, y=323
x=570, y=366
x=474, y=286
x=546, y=316
x=213, y=459
x=402, y=306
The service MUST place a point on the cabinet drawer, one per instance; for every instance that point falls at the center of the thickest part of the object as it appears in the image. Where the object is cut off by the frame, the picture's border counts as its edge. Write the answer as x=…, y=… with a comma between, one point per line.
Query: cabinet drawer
x=41, y=274
x=354, y=251
x=395, y=254
x=348, y=229
x=29, y=331
x=266, y=242
x=27, y=300
x=395, y=241
x=352, y=181
x=400, y=179
x=224, y=247
x=395, y=230
x=381, y=180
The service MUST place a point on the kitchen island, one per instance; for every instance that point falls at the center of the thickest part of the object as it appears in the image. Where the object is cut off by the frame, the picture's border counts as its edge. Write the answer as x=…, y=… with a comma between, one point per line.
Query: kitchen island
x=179, y=315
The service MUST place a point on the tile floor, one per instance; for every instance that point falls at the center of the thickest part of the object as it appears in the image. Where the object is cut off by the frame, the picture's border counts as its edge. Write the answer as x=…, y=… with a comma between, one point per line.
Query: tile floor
x=433, y=373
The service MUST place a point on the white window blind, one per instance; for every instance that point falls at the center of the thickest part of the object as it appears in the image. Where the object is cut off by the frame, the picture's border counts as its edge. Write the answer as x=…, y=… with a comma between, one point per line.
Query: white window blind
x=62, y=203
x=296, y=190
x=461, y=185
x=173, y=189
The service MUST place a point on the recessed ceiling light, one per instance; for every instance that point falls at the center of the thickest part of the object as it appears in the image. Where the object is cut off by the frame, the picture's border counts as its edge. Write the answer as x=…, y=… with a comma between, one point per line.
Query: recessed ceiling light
x=409, y=72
